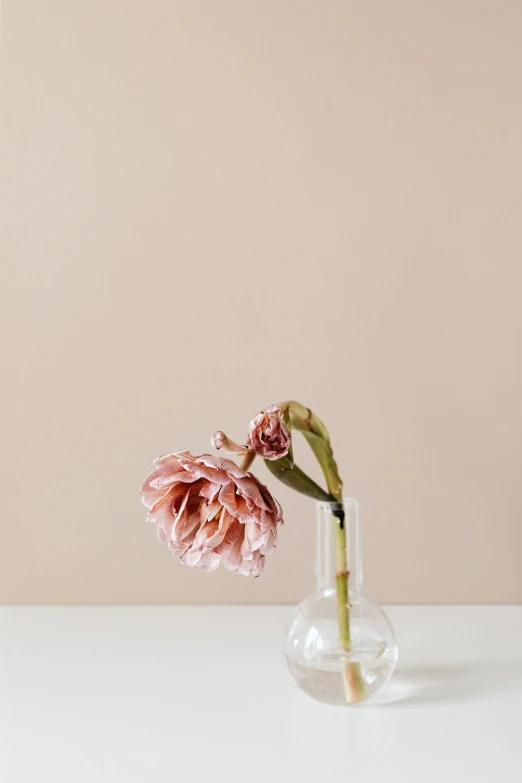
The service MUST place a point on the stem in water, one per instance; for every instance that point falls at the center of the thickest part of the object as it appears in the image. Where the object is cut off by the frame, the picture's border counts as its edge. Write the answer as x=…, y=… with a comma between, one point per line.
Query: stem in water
x=354, y=685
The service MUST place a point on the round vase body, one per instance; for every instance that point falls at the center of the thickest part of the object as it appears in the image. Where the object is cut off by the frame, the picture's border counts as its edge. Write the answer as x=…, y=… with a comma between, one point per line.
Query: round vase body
x=340, y=647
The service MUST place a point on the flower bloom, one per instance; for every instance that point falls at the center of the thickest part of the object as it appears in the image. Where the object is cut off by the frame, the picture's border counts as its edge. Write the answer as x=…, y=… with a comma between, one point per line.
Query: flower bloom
x=268, y=434
x=208, y=510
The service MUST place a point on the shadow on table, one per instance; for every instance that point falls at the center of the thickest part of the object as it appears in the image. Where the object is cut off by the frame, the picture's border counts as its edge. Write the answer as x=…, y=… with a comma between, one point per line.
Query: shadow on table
x=452, y=682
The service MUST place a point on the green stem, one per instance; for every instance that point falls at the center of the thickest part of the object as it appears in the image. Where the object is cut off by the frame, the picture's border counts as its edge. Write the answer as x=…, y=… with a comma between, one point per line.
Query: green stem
x=300, y=418
x=341, y=580
x=247, y=460
x=354, y=685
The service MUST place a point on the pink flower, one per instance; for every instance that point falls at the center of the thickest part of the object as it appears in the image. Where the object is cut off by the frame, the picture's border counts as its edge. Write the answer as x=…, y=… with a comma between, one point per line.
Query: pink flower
x=268, y=434
x=209, y=511
x=220, y=441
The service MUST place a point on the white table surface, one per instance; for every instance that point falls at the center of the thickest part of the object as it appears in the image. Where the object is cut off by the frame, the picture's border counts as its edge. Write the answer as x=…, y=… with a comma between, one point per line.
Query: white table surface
x=159, y=694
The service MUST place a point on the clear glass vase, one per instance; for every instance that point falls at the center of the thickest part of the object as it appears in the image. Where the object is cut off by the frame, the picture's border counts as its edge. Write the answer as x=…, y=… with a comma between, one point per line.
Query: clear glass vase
x=340, y=647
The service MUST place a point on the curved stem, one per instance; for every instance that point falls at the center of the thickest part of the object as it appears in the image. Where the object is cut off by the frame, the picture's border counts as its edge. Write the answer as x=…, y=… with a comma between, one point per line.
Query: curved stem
x=299, y=417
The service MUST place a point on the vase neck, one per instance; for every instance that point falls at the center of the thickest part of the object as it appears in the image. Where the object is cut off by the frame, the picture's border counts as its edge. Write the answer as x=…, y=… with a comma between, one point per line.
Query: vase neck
x=330, y=516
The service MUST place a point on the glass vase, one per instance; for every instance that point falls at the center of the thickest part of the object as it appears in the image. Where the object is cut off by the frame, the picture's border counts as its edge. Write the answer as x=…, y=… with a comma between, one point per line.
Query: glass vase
x=340, y=647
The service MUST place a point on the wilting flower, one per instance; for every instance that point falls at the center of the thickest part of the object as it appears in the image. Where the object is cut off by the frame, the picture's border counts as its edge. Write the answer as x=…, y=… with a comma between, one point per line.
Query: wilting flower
x=209, y=511
x=268, y=434
x=220, y=441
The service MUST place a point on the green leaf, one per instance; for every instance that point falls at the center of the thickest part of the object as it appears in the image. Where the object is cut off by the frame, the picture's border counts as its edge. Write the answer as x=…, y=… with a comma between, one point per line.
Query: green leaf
x=324, y=454
x=291, y=475
x=305, y=421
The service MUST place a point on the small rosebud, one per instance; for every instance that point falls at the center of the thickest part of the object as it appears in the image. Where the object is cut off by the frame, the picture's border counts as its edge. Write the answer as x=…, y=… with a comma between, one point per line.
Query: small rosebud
x=268, y=434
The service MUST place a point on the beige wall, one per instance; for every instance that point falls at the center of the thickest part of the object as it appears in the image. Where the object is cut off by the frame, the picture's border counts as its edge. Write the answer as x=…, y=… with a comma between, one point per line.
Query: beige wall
x=210, y=206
